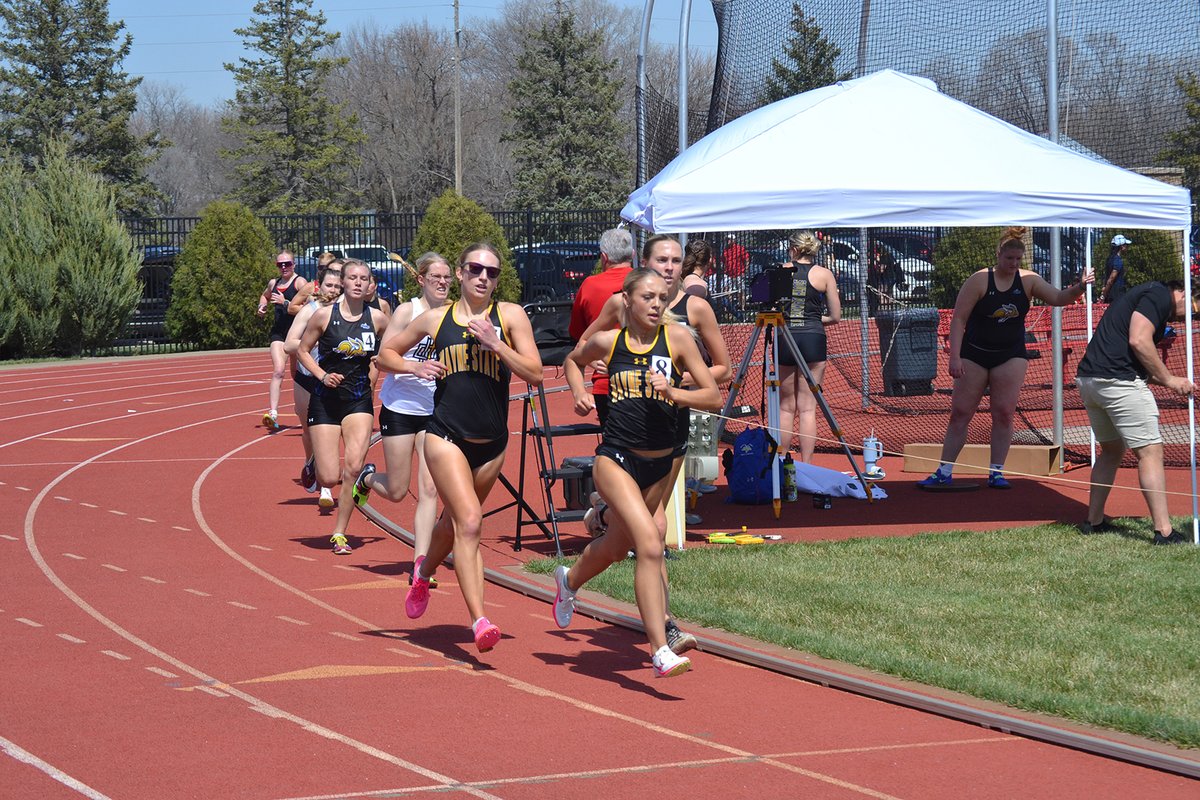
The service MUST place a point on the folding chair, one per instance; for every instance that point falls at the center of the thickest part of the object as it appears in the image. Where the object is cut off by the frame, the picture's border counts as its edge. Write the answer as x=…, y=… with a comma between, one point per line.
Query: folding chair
x=550, y=322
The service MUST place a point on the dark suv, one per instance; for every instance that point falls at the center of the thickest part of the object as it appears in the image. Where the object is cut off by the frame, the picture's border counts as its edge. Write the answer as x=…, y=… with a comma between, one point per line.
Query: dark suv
x=554, y=271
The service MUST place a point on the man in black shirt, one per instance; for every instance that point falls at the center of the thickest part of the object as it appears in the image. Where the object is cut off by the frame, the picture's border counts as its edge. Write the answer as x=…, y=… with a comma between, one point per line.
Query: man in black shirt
x=1112, y=376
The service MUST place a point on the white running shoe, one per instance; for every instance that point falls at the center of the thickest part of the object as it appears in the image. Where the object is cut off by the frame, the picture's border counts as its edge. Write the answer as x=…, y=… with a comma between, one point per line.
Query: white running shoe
x=668, y=665
x=593, y=518
x=564, y=598
x=326, y=498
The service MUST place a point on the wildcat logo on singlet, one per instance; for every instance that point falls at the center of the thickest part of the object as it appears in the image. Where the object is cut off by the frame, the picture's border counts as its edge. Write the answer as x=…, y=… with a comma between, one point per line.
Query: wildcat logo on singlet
x=351, y=347
x=1005, y=312
x=471, y=357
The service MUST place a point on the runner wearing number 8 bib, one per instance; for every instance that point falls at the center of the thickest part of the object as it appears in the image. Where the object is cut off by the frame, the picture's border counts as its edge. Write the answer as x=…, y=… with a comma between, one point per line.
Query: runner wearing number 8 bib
x=346, y=335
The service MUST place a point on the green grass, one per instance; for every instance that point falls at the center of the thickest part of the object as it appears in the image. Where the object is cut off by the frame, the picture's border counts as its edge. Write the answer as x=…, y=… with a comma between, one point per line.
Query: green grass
x=1100, y=629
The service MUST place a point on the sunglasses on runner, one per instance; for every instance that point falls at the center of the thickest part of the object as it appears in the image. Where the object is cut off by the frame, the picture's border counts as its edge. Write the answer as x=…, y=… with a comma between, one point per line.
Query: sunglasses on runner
x=475, y=268
x=282, y=264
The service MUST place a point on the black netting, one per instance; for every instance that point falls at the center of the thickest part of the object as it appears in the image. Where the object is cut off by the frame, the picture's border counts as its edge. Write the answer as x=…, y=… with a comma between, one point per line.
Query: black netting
x=1118, y=61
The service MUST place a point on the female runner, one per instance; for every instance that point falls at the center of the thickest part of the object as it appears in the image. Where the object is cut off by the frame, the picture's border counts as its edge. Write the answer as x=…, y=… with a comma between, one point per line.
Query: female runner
x=646, y=362
x=342, y=406
x=987, y=348
x=478, y=344
x=278, y=295
x=328, y=290
x=407, y=407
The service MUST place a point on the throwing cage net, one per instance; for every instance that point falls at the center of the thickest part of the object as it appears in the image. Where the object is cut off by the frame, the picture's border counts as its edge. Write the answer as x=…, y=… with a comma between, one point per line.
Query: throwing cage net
x=1118, y=100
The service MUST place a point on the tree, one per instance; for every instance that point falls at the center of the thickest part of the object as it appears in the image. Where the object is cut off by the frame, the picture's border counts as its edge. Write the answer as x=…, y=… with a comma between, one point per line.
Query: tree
x=1184, y=148
x=810, y=60
x=453, y=222
x=959, y=254
x=298, y=148
x=225, y=264
x=60, y=69
x=567, y=131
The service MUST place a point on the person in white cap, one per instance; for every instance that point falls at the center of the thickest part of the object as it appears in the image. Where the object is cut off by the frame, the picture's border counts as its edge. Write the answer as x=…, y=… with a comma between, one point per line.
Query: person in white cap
x=1114, y=284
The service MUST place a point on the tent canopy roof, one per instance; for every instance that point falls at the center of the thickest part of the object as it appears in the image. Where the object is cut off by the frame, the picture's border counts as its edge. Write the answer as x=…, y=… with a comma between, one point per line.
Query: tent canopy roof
x=889, y=149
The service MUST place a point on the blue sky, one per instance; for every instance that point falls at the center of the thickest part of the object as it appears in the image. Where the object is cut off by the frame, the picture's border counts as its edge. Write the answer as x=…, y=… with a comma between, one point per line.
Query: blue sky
x=185, y=44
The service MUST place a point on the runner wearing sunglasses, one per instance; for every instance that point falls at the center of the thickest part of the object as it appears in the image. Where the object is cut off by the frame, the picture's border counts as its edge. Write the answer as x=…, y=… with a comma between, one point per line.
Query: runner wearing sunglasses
x=278, y=295
x=478, y=343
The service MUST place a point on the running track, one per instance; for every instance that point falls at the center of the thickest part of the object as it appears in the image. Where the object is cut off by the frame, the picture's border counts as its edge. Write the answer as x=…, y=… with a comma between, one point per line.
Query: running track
x=174, y=625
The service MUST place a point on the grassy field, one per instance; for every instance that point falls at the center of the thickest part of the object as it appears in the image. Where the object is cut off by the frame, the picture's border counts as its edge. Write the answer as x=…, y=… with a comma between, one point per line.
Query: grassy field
x=1100, y=629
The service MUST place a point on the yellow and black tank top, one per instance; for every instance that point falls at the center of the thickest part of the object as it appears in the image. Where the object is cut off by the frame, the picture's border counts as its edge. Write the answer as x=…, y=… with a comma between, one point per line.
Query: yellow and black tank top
x=471, y=399
x=639, y=417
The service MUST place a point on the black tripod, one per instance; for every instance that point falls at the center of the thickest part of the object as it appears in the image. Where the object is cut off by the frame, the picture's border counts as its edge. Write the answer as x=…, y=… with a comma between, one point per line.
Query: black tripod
x=777, y=328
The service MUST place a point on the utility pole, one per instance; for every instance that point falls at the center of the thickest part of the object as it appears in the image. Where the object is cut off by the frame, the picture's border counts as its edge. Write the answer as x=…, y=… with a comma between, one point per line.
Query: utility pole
x=457, y=103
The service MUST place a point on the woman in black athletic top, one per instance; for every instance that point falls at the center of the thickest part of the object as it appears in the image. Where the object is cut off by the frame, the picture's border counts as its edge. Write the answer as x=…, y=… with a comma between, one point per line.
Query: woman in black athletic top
x=478, y=343
x=646, y=362
x=814, y=289
x=278, y=296
x=341, y=409
x=987, y=348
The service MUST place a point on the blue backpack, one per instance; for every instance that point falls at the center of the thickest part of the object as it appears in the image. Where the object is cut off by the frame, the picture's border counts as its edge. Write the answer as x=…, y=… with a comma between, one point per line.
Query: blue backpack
x=749, y=469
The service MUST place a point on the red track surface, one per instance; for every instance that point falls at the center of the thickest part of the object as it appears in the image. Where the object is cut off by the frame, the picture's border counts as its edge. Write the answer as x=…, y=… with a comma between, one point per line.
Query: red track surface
x=174, y=625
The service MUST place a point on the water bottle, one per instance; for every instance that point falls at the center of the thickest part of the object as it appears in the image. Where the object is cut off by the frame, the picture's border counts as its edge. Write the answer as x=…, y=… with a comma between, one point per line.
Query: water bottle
x=790, y=492
x=872, y=452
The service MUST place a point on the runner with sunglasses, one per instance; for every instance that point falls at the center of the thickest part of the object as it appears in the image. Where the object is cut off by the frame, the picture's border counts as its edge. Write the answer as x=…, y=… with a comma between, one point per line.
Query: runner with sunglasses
x=478, y=343
x=279, y=294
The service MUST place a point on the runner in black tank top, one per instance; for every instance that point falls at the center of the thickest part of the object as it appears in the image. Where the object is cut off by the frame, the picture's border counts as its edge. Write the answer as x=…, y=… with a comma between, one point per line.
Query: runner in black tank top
x=277, y=296
x=987, y=352
x=479, y=344
x=646, y=361
x=814, y=288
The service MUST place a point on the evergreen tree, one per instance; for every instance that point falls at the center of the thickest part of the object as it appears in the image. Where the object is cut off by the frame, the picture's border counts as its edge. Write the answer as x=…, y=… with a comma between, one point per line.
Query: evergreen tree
x=1184, y=150
x=810, y=60
x=567, y=132
x=298, y=148
x=60, y=73
x=452, y=222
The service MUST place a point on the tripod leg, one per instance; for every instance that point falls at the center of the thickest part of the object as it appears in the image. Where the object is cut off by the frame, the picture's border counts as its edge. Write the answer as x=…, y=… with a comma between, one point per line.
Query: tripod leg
x=825, y=410
x=738, y=381
x=772, y=390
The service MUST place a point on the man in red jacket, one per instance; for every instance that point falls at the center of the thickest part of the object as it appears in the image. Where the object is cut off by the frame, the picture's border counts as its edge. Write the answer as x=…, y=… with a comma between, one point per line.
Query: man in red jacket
x=616, y=259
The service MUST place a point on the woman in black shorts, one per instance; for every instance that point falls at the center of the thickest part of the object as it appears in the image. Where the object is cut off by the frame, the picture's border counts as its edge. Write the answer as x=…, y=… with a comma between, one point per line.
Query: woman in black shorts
x=987, y=349
x=342, y=409
x=814, y=292
x=646, y=362
x=478, y=343
x=277, y=296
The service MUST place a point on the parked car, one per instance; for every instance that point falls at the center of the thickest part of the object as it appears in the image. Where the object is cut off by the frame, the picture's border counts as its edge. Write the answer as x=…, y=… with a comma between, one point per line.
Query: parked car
x=915, y=274
x=908, y=243
x=553, y=271
x=389, y=274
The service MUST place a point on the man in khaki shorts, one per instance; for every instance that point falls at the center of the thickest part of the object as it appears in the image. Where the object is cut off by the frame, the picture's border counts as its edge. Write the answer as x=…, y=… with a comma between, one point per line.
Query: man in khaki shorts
x=1112, y=376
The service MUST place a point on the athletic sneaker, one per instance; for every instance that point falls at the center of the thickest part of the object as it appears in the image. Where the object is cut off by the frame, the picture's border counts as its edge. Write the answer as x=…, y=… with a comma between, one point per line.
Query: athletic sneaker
x=593, y=518
x=271, y=420
x=1104, y=526
x=700, y=487
x=340, y=548
x=668, y=665
x=998, y=481
x=564, y=598
x=1174, y=537
x=326, y=498
x=679, y=641
x=417, y=599
x=416, y=566
x=308, y=477
x=487, y=634
x=361, y=491
x=936, y=479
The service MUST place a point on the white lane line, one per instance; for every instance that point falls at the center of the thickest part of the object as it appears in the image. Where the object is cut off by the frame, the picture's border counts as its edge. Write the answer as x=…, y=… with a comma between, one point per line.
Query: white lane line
x=72, y=555
x=25, y=757
x=72, y=639
x=345, y=636
x=400, y=652
x=198, y=593
x=60, y=497
x=346, y=567
x=10, y=538
x=30, y=623
x=292, y=620
x=89, y=505
x=114, y=567
x=21, y=488
x=306, y=558
x=236, y=604
x=260, y=547
x=179, y=528
x=162, y=672
x=118, y=513
x=116, y=655
x=153, y=580
x=212, y=691
x=146, y=519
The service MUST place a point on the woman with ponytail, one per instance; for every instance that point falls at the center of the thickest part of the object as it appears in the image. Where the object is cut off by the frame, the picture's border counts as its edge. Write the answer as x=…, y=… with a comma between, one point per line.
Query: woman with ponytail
x=987, y=349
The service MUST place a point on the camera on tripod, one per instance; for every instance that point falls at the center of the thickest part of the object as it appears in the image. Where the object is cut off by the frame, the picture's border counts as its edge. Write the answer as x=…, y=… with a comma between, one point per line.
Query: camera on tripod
x=772, y=288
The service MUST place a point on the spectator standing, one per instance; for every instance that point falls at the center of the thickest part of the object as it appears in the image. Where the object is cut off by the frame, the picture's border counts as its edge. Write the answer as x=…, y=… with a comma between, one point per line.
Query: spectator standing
x=616, y=262
x=735, y=259
x=1112, y=377
x=1114, y=284
x=697, y=263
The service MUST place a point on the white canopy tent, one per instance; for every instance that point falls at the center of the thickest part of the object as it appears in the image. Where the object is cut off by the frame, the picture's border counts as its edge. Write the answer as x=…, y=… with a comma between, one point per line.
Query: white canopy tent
x=890, y=150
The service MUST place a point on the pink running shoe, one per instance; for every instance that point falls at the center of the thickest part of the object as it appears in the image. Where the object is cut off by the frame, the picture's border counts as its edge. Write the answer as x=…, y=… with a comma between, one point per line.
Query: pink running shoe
x=417, y=599
x=486, y=634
